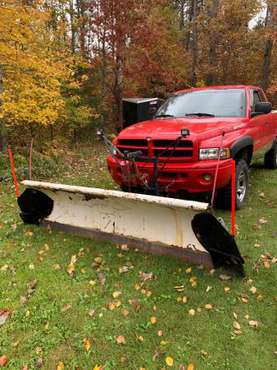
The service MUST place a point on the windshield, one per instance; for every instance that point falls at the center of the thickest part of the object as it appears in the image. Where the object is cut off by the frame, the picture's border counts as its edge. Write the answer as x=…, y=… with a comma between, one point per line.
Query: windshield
x=205, y=103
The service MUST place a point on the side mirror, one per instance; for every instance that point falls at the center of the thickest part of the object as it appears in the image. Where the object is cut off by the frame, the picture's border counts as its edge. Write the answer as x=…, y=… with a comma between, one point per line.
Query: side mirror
x=263, y=107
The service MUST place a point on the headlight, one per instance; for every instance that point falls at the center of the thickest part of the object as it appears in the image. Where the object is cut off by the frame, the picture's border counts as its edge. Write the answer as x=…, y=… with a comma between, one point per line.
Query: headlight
x=212, y=153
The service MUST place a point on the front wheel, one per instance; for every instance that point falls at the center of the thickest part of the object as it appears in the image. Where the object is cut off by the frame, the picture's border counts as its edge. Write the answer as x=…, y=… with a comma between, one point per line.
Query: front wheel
x=270, y=158
x=242, y=184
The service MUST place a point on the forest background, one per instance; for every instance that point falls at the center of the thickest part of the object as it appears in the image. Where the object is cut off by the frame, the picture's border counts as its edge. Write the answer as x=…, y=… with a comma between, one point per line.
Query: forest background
x=65, y=65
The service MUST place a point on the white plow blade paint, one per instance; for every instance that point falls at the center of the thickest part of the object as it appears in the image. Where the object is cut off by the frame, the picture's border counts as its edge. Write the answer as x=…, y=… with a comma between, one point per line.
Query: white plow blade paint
x=155, y=224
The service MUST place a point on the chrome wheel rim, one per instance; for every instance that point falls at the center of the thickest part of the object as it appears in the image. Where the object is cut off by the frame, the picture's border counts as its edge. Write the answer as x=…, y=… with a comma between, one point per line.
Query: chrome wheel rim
x=241, y=186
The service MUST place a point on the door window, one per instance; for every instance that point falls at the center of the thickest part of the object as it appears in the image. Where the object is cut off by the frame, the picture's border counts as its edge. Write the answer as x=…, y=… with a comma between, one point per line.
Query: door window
x=254, y=99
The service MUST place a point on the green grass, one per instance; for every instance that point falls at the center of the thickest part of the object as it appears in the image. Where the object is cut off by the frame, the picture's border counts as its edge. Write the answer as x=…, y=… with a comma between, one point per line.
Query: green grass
x=39, y=333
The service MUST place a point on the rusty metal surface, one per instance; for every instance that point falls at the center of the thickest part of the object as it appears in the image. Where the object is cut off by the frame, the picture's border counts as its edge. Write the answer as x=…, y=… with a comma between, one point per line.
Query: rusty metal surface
x=95, y=193
x=184, y=254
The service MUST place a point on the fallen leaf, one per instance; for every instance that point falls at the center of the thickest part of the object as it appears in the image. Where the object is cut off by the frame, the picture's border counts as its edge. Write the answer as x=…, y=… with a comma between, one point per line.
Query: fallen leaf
x=114, y=304
x=160, y=333
x=235, y=315
x=140, y=338
x=179, y=288
x=169, y=361
x=237, y=332
x=66, y=308
x=120, y=339
x=191, y=312
x=98, y=367
x=227, y=289
x=135, y=303
x=124, y=247
x=209, y=288
x=123, y=269
x=208, y=306
x=188, y=270
x=253, y=323
x=71, y=267
x=125, y=312
x=91, y=313
x=190, y=367
x=101, y=277
x=87, y=344
x=3, y=360
x=253, y=290
x=116, y=294
x=144, y=276
x=153, y=320
x=4, y=315
x=263, y=221
x=98, y=260
x=225, y=277
x=244, y=300
x=236, y=325
x=60, y=366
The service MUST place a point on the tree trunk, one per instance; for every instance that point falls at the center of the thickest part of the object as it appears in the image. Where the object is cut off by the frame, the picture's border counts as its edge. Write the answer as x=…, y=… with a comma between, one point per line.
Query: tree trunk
x=268, y=49
x=103, y=77
x=72, y=26
x=212, y=13
x=3, y=131
x=118, y=92
x=81, y=7
x=194, y=43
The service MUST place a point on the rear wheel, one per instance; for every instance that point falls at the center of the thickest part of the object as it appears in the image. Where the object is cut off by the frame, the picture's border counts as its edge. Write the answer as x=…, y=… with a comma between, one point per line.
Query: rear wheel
x=270, y=158
x=242, y=184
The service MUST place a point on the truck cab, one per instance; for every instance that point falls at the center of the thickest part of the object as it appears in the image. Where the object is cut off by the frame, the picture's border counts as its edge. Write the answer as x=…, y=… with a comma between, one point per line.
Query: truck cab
x=221, y=123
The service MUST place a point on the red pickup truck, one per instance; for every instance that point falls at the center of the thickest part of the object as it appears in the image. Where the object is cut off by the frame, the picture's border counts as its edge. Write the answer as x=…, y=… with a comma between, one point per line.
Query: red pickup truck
x=195, y=133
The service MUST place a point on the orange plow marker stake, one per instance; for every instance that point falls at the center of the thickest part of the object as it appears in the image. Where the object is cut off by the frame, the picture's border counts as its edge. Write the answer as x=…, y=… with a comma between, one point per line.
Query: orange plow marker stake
x=13, y=173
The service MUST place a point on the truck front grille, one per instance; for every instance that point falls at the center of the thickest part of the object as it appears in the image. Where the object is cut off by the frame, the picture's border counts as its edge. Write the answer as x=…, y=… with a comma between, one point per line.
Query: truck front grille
x=166, y=150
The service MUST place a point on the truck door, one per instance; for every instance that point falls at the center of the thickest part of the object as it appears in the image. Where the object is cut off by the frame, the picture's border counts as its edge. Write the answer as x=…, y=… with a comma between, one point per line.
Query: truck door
x=261, y=124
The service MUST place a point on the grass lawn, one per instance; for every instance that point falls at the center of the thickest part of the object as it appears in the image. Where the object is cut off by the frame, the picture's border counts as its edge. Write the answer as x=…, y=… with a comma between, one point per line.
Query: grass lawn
x=105, y=316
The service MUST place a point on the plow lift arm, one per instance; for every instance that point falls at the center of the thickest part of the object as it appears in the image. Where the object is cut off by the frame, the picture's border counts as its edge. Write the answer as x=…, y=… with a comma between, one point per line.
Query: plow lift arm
x=184, y=229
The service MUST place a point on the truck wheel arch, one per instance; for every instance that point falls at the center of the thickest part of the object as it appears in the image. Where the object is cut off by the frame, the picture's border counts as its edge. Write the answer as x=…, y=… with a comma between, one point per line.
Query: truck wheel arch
x=243, y=149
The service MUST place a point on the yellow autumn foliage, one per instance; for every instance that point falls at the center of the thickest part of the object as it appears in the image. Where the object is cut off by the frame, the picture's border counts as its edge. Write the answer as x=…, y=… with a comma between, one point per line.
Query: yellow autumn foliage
x=33, y=66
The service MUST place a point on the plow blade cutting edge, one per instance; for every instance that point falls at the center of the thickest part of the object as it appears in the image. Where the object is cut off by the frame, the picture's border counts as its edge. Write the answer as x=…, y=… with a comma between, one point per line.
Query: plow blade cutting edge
x=166, y=226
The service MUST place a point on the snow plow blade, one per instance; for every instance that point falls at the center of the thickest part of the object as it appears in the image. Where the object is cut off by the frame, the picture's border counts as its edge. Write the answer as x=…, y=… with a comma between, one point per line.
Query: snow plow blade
x=166, y=226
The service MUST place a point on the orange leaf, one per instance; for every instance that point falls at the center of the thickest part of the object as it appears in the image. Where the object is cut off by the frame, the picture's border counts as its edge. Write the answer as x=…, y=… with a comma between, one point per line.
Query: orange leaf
x=3, y=360
x=60, y=366
x=87, y=344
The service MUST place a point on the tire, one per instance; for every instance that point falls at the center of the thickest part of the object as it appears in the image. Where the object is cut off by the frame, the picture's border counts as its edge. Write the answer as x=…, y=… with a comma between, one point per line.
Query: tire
x=270, y=158
x=242, y=185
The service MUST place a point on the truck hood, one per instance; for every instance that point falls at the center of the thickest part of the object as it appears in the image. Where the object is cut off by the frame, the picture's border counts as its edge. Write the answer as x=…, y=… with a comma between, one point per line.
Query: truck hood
x=171, y=127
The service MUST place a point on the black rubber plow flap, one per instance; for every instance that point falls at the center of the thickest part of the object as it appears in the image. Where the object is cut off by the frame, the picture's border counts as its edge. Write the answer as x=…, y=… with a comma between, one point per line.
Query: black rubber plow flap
x=166, y=226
